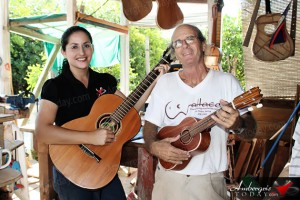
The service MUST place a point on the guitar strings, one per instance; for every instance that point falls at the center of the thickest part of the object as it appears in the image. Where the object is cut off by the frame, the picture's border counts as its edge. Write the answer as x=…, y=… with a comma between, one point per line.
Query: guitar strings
x=129, y=102
x=249, y=97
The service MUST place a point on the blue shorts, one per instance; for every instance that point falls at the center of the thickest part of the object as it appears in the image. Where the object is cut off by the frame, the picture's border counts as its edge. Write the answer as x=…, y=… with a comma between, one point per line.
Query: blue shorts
x=66, y=190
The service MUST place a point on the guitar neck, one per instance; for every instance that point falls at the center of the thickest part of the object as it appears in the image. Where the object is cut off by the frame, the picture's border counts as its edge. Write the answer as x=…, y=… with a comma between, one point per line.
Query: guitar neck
x=205, y=123
x=217, y=20
x=293, y=25
x=268, y=6
x=138, y=92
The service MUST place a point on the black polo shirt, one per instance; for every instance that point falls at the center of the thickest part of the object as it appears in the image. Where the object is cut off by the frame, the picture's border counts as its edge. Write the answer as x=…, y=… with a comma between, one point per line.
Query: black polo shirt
x=73, y=99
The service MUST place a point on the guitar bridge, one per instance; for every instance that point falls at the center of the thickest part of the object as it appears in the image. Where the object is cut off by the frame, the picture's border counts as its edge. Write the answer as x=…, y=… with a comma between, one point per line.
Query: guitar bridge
x=89, y=152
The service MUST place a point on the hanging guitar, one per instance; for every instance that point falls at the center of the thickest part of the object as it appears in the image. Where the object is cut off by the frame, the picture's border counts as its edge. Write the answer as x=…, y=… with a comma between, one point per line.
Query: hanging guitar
x=212, y=52
x=272, y=41
x=195, y=135
x=136, y=10
x=168, y=14
x=94, y=166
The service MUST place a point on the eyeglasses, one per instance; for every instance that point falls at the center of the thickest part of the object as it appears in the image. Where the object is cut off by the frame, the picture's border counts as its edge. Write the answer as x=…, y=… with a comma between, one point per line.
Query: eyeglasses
x=85, y=46
x=188, y=40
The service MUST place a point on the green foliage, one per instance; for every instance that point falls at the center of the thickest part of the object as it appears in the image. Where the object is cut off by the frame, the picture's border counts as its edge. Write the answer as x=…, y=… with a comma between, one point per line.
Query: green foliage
x=232, y=49
x=103, y=9
x=137, y=50
x=115, y=71
x=24, y=53
x=25, y=8
x=32, y=76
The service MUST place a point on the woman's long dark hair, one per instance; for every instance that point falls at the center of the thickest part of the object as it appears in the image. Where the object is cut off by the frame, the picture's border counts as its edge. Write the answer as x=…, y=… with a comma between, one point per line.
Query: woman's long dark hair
x=65, y=40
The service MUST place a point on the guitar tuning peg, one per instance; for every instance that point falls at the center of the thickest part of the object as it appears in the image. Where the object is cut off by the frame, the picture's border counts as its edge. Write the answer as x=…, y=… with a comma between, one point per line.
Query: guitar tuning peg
x=250, y=109
x=259, y=105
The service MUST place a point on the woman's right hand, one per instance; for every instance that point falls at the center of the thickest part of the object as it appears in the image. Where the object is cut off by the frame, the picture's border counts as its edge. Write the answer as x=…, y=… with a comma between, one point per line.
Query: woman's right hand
x=102, y=137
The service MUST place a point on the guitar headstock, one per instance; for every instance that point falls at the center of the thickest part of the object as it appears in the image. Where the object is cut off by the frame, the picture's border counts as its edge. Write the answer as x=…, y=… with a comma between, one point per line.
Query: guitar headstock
x=248, y=98
x=168, y=55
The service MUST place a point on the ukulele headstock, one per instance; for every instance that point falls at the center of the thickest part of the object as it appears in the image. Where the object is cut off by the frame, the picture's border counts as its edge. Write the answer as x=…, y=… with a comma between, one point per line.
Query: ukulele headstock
x=252, y=96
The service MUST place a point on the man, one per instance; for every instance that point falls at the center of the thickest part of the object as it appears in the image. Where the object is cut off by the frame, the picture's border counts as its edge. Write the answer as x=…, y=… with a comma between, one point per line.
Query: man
x=193, y=91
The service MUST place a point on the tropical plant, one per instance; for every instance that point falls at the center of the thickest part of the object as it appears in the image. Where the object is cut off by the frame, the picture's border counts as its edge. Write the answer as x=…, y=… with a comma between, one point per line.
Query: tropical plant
x=232, y=49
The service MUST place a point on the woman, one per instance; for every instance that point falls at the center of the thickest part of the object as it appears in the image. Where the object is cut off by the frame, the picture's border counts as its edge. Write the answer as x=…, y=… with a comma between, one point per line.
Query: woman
x=70, y=96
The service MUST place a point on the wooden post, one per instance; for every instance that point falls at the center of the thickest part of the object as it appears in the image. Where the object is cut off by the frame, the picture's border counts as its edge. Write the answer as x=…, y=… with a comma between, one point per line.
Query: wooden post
x=146, y=170
x=5, y=64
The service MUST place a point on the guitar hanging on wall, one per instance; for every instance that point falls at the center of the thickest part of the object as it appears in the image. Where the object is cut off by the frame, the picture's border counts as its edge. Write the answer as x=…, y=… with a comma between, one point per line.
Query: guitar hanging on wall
x=135, y=10
x=169, y=14
x=212, y=52
x=272, y=41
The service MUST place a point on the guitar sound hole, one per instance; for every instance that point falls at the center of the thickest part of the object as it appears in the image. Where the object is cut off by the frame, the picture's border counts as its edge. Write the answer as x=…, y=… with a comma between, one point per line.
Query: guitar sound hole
x=185, y=137
x=107, y=123
x=269, y=29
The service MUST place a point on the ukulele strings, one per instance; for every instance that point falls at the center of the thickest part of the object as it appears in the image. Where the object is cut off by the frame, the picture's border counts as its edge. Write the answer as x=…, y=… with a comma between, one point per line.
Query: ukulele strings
x=203, y=124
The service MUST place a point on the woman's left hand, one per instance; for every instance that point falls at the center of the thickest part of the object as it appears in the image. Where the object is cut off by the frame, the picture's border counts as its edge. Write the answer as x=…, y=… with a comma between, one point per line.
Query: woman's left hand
x=163, y=68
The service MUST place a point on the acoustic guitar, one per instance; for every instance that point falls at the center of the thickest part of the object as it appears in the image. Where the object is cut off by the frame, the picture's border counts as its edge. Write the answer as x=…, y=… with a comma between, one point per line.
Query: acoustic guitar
x=135, y=10
x=266, y=26
x=168, y=14
x=212, y=52
x=195, y=135
x=94, y=166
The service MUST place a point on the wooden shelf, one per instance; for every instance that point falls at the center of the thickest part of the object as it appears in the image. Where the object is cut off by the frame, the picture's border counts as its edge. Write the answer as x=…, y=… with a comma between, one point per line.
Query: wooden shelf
x=9, y=176
x=12, y=144
x=6, y=117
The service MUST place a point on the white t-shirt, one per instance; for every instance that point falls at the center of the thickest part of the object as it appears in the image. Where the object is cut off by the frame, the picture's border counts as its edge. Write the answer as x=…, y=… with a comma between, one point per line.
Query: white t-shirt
x=172, y=101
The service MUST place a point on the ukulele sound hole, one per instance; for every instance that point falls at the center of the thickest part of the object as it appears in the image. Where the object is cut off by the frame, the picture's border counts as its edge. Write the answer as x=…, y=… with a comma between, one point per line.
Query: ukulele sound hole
x=185, y=137
x=107, y=123
x=269, y=29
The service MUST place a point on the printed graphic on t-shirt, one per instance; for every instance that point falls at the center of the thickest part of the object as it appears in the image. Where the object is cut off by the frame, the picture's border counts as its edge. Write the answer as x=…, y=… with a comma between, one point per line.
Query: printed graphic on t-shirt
x=101, y=91
x=198, y=109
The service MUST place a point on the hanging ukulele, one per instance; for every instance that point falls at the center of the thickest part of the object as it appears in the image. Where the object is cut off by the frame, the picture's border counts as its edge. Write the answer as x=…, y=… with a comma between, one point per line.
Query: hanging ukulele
x=136, y=10
x=212, y=52
x=168, y=14
x=272, y=41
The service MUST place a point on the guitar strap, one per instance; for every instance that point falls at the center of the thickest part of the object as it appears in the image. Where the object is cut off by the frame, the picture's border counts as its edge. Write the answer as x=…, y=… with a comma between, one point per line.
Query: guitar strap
x=293, y=25
x=279, y=36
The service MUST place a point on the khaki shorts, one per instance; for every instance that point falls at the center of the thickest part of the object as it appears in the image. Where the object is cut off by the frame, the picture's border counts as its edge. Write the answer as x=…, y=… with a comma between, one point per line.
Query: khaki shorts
x=170, y=185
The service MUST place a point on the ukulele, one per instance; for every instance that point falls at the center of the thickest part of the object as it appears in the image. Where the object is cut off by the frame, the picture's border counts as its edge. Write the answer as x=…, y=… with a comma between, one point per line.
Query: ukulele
x=195, y=135
x=168, y=14
x=94, y=166
x=266, y=27
x=212, y=52
x=135, y=10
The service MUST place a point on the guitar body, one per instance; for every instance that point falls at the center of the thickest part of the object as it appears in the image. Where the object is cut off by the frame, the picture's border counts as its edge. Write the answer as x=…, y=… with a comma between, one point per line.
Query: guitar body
x=194, y=144
x=135, y=10
x=168, y=14
x=84, y=170
x=261, y=50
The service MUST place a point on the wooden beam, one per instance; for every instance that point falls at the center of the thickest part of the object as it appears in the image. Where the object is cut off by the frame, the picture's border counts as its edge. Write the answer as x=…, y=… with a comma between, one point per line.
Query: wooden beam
x=15, y=23
x=35, y=35
x=6, y=86
x=100, y=22
x=190, y=1
x=42, y=78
